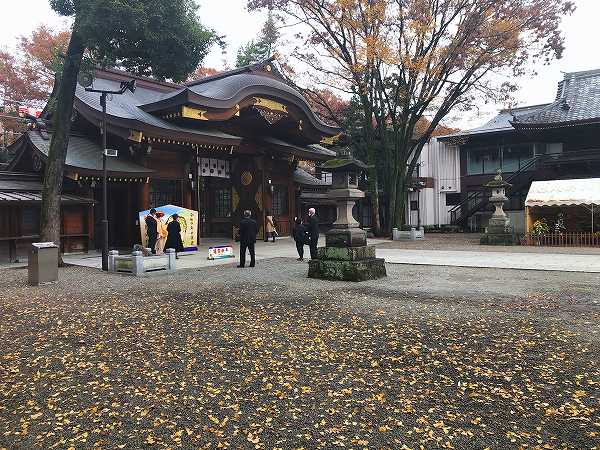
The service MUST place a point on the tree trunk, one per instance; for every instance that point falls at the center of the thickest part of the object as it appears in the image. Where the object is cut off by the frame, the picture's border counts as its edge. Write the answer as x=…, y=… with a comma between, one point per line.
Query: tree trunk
x=374, y=190
x=392, y=193
x=53, y=178
x=399, y=206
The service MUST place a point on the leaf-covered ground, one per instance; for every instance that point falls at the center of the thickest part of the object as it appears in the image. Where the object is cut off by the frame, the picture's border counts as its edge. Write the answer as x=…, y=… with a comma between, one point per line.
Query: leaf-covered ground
x=263, y=358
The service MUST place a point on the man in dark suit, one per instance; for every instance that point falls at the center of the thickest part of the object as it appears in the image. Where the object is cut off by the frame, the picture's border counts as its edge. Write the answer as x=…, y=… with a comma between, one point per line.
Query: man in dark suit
x=313, y=232
x=151, y=229
x=248, y=230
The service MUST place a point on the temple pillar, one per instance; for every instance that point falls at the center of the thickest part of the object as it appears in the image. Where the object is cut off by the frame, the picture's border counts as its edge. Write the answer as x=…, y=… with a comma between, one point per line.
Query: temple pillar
x=144, y=195
x=186, y=194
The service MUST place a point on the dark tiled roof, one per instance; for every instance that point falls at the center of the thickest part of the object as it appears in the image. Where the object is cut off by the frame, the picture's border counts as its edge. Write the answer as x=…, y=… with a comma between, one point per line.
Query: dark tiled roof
x=36, y=197
x=16, y=187
x=304, y=178
x=500, y=123
x=84, y=154
x=234, y=86
x=578, y=101
x=19, y=181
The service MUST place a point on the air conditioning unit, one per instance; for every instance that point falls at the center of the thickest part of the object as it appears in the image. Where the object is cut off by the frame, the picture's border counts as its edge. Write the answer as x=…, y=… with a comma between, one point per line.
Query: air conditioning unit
x=447, y=188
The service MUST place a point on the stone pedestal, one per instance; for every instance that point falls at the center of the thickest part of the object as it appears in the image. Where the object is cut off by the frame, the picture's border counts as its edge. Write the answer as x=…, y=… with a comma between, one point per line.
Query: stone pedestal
x=346, y=255
x=359, y=270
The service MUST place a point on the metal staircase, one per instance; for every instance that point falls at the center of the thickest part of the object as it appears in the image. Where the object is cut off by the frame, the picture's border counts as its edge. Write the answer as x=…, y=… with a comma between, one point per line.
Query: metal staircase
x=459, y=214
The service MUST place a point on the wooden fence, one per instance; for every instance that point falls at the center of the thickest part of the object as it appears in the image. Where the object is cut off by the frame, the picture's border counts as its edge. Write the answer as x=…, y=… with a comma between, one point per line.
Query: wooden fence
x=563, y=240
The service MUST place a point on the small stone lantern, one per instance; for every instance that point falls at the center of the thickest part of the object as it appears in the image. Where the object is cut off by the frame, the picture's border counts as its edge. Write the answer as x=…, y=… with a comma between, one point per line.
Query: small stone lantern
x=499, y=231
x=346, y=255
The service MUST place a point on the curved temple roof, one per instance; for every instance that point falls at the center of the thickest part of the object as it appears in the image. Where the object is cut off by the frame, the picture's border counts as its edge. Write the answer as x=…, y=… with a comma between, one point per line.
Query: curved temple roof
x=124, y=111
x=223, y=92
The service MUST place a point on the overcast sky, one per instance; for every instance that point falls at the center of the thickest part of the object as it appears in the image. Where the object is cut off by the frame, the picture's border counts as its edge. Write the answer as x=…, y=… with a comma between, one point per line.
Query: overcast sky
x=230, y=18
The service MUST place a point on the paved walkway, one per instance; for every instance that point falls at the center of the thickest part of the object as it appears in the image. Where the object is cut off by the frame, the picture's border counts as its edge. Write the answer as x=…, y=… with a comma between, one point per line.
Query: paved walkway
x=499, y=259
x=285, y=248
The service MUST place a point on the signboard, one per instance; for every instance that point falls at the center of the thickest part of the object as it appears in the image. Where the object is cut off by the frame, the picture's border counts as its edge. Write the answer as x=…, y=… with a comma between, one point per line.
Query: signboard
x=188, y=219
x=221, y=251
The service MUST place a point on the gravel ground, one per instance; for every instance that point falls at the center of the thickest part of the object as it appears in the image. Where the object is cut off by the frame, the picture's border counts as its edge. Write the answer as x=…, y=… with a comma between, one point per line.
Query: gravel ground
x=470, y=242
x=430, y=357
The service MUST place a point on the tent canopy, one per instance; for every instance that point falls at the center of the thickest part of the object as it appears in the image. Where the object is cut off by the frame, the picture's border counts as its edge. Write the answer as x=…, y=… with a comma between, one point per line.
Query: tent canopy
x=584, y=191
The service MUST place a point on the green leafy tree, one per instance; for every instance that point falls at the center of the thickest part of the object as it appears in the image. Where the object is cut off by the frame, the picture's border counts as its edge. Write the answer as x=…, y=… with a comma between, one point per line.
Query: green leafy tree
x=261, y=48
x=159, y=38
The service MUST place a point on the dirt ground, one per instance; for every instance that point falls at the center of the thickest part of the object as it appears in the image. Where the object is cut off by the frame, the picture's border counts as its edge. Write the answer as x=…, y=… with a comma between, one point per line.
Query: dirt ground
x=430, y=357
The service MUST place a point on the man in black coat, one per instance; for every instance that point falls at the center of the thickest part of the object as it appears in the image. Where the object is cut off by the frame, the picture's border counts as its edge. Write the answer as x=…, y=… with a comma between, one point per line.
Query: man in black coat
x=151, y=229
x=248, y=231
x=313, y=232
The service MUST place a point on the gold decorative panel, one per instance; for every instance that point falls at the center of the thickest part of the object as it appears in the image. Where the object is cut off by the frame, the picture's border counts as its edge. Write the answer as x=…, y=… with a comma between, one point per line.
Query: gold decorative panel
x=270, y=104
x=330, y=140
x=135, y=135
x=246, y=178
x=193, y=113
x=235, y=198
x=258, y=199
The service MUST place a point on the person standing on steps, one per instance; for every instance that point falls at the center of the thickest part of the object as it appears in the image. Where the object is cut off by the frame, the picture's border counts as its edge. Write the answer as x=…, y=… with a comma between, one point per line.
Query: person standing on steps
x=313, y=232
x=248, y=230
x=269, y=226
x=151, y=229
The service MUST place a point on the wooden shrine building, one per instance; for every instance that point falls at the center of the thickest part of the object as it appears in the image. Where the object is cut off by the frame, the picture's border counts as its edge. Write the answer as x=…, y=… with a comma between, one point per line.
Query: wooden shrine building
x=220, y=145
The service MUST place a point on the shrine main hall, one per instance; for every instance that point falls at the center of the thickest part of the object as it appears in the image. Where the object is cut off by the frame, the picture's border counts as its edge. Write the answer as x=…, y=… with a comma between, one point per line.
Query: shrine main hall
x=219, y=145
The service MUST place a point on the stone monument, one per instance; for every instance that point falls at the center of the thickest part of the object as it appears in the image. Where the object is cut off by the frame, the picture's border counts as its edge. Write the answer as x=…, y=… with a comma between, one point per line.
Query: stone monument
x=346, y=255
x=499, y=230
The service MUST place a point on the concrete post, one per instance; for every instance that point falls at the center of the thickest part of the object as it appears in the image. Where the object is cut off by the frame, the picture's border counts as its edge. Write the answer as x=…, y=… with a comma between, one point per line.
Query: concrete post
x=111, y=260
x=137, y=260
x=170, y=252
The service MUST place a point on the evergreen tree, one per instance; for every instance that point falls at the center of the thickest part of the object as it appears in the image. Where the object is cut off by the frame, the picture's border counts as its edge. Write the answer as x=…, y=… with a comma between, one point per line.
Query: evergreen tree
x=261, y=48
x=159, y=38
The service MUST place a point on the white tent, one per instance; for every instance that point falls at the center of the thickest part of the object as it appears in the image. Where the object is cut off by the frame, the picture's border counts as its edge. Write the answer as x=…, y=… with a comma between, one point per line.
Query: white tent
x=585, y=191
x=578, y=192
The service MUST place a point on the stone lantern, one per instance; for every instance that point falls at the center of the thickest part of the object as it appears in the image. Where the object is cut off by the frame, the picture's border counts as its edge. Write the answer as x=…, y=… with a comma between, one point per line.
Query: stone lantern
x=499, y=231
x=346, y=255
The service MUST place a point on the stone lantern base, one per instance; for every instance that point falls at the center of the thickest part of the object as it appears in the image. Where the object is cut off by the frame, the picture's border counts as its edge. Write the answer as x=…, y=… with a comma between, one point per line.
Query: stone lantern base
x=346, y=257
x=499, y=232
x=499, y=239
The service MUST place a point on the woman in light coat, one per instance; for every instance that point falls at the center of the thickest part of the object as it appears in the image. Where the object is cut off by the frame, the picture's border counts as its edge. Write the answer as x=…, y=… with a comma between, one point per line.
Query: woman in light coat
x=161, y=228
x=270, y=226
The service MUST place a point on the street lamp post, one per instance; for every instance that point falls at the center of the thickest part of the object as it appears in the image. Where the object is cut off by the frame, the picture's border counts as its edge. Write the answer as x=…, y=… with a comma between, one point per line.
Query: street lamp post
x=125, y=86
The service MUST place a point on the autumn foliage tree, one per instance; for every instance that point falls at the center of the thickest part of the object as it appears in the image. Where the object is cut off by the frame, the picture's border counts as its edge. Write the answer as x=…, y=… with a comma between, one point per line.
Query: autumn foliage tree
x=404, y=59
x=28, y=75
x=160, y=38
x=327, y=105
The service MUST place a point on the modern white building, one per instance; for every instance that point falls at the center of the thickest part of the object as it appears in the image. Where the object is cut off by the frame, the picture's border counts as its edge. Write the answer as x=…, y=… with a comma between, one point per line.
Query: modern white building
x=437, y=187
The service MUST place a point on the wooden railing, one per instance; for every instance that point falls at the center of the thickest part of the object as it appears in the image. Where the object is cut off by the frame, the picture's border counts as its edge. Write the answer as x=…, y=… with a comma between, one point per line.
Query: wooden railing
x=563, y=240
x=283, y=226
